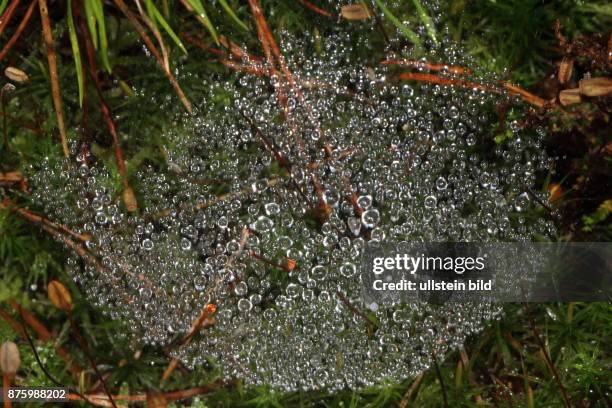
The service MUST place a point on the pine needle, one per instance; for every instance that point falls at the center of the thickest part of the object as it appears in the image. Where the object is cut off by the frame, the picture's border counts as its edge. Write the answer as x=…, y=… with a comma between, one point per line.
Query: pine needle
x=99, y=14
x=233, y=15
x=76, y=52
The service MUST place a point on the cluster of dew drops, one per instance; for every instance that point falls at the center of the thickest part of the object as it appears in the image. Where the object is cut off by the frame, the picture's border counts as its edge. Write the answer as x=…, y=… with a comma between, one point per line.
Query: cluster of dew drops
x=264, y=208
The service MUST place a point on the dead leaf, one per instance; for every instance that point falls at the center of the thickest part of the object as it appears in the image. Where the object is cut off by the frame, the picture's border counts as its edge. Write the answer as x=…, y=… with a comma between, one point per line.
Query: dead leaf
x=15, y=74
x=59, y=296
x=570, y=96
x=355, y=12
x=555, y=192
x=10, y=359
x=601, y=86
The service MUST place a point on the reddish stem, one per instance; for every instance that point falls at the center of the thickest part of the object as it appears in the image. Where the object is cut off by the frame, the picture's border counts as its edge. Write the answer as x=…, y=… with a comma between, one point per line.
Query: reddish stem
x=22, y=25
x=8, y=15
x=316, y=9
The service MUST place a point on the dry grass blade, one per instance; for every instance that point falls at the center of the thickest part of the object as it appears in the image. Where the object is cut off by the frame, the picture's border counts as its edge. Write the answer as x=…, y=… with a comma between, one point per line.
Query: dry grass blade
x=153, y=27
x=145, y=38
x=405, y=402
x=22, y=25
x=52, y=59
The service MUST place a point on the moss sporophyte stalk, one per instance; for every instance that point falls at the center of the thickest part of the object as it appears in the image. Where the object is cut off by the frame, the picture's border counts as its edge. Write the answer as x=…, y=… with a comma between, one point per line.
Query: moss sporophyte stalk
x=247, y=241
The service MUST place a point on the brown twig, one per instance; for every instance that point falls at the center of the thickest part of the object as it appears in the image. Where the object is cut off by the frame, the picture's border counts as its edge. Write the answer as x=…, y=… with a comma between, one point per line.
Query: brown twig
x=8, y=15
x=512, y=89
x=22, y=25
x=525, y=95
x=40, y=220
x=145, y=38
x=52, y=59
x=427, y=65
x=128, y=193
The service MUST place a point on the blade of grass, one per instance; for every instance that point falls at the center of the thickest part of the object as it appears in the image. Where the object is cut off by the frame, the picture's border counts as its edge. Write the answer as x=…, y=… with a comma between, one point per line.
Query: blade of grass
x=55, y=87
x=426, y=20
x=156, y=16
x=90, y=16
x=76, y=52
x=197, y=7
x=99, y=13
x=3, y=6
x=233, y=15
x=145, y=38
x=408, y=33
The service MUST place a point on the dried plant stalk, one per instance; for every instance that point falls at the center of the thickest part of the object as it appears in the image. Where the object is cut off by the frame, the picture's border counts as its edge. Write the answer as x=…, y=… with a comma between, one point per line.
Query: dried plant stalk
x=52, y=59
